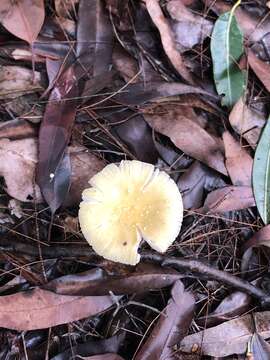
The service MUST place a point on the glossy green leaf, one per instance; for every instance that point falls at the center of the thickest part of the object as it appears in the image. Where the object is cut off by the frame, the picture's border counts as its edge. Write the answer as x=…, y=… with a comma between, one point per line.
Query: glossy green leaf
x=261, y=174
x=226, y=50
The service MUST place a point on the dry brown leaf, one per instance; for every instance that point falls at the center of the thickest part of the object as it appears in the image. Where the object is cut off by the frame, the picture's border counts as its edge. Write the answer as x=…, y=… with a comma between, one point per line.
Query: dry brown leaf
x=18, y=160
x=23, y=18
x=84, y=165
x=167, y=39
x=229, y=338
x=229, y=198
x=238, y=161
x=17, y=129
x=125, y=64
x=189, y=137
x=261, y=68
x=40, y=309
x=65, y=8
x=247, y=122
x=193, y=183
x=189, y=29
x=16, y=81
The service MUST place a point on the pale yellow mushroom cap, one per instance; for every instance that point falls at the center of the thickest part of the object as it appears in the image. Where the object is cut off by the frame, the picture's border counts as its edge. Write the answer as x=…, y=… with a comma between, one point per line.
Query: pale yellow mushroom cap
x=127, y=203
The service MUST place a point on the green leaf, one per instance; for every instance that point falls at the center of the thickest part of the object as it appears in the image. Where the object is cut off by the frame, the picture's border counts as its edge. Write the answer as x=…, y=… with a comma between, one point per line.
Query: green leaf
x=226, y=50
x=261, y=174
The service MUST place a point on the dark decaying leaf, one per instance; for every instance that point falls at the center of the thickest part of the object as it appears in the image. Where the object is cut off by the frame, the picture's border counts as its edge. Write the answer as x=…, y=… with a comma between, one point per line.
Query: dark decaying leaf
x=231, y=306
x=54, y=135
x=94, y=38
x=197, y=179
x=137, y=94
x=137, y=135
x=110, y=345
x=178, y=127
x=226, y=50
x=238, y=161
x=229, y=338
x=171, y=327
x=167, y=39
x=261, y=174
x=260, y=349
x=229, y=198
x=261, y=68
x=23, y=18
x=40, y=309
x=97, y=282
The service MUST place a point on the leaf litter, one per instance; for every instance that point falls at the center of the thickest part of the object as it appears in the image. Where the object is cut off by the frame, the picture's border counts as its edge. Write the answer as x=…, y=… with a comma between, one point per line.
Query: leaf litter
x=84, y=84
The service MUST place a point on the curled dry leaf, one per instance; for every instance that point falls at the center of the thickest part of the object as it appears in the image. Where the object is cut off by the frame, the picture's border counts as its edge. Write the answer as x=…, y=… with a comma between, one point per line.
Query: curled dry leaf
x=98, y=282
x=18, y=161
x=238, y=161
x=189, y=29
x=247, y=122
x=40, y=309
x=167, y=39
x=137, y=135
x=16, y=81
x=171, y=327
x=229, y=198
x=231, y=306
x=203, y=147
x=23, y=18
x=195, y=181
x=229, y=338
x=261, y=68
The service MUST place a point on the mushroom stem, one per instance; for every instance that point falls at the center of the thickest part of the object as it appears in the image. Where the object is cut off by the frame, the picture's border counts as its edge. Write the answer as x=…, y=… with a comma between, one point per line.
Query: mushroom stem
x=204, y=270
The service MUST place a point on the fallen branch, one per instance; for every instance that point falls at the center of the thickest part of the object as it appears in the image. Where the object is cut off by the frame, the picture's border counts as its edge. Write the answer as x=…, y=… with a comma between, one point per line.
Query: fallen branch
x=209, y=272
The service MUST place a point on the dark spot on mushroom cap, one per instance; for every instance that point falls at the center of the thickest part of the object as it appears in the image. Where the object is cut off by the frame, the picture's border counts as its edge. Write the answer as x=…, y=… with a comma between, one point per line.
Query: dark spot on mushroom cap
x=125, y=243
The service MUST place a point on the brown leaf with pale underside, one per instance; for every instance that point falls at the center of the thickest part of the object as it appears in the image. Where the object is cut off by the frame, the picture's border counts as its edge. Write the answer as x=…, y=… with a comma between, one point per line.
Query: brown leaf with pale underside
x=238, y=161
x=40, y=309
x=167, y=39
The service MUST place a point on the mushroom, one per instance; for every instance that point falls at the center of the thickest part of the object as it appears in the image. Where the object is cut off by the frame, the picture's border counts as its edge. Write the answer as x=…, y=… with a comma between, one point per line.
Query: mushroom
x=128, y=203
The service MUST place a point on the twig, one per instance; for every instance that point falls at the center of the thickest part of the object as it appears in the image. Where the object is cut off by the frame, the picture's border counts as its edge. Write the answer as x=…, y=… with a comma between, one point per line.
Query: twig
x=210, y=273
